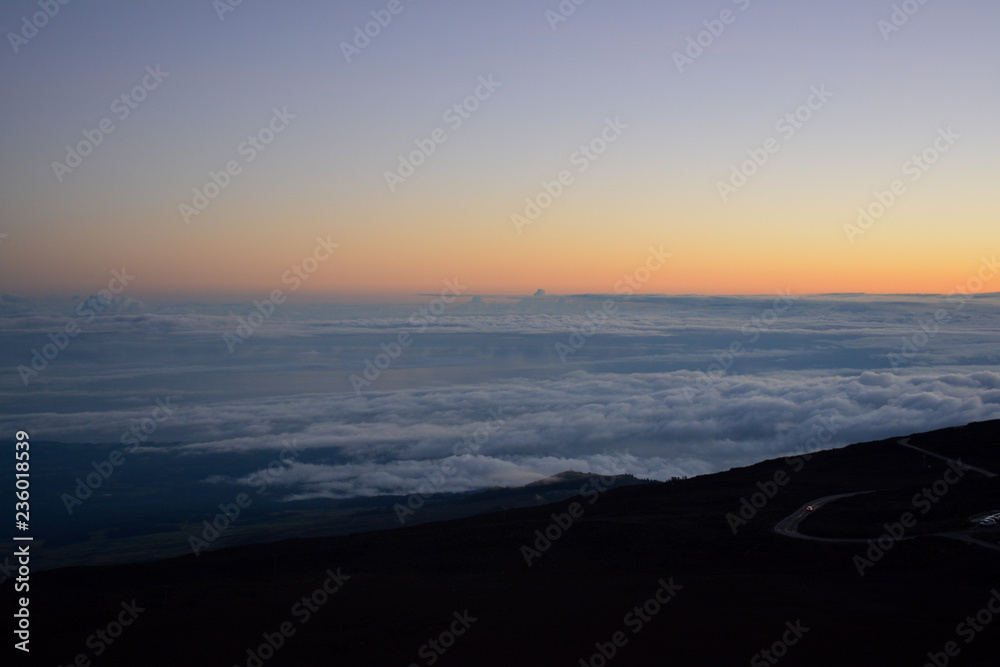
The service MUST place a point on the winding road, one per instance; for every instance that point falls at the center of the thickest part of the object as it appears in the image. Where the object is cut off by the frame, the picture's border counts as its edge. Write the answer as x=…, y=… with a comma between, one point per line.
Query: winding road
x=789, y=526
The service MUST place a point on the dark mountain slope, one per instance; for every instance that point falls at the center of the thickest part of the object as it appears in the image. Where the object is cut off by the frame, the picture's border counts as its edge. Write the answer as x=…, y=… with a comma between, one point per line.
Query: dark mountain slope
x=730, y=595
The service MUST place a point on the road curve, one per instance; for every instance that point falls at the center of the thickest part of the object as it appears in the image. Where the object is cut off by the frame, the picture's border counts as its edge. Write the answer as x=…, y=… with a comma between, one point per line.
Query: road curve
x=789, y=526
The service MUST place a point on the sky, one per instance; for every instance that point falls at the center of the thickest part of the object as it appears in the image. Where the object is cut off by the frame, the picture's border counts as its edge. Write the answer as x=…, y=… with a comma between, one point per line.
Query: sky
x=667, y=120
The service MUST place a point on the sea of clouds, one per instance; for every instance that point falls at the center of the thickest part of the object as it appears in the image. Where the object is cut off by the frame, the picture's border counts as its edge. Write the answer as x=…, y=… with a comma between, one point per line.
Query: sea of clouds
x=502, y=392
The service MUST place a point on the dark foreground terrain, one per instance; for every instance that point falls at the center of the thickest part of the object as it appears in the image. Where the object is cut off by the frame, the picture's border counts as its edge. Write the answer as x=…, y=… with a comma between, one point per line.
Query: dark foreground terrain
x=659, y=574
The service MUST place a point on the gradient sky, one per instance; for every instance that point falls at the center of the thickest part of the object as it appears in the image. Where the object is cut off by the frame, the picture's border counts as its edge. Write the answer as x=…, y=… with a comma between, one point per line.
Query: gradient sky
x=655, y=186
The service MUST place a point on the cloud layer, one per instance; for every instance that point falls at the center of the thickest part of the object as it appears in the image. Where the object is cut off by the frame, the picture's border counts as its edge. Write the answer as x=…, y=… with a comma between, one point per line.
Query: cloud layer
x=658, y=390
